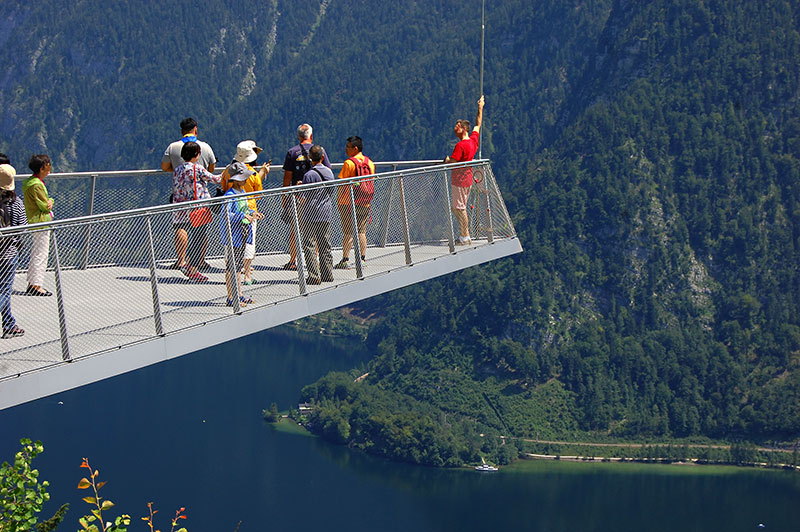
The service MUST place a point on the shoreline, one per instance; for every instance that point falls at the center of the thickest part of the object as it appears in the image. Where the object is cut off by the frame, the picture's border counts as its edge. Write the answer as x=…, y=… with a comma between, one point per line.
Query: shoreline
x=662, y=461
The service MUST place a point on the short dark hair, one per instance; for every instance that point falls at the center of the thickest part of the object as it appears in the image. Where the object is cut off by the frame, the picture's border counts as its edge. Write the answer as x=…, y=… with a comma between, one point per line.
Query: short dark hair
x=316, y=153
x=190, y=150
x=465, y=124
x=187, y=125
x=38, y=162
x=356, y=142
x=4, y=159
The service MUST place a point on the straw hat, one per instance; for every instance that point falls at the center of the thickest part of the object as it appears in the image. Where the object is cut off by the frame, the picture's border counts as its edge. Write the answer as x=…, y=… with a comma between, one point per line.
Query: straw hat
x=7, y=173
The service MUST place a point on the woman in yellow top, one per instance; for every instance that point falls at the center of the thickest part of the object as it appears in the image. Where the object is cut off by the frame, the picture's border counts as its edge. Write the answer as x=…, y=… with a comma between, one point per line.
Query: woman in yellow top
x=247, y=153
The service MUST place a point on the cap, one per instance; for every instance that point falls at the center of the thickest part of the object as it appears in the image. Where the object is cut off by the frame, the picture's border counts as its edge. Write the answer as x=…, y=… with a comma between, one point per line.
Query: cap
x=238, y=171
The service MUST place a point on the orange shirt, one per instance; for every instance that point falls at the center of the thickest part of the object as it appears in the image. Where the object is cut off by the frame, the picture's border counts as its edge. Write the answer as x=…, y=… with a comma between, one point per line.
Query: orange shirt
x=349, y=170
x=253, y=184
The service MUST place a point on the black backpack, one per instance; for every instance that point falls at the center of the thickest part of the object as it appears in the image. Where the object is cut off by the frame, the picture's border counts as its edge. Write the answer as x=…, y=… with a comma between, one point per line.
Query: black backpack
x=302, y=167
x=5, y=209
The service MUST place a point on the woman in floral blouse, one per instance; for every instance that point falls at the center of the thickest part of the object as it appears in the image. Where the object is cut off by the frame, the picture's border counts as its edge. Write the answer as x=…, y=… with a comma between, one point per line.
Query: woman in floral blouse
x=190, y=182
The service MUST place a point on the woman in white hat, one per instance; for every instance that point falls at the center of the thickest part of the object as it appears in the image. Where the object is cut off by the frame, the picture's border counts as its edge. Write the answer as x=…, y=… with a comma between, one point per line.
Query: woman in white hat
x=12, y=212
x=247, y=153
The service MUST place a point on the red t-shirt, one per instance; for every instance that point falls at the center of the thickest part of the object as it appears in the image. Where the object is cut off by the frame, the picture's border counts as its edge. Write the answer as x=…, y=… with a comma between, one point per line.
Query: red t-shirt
x=464, y=151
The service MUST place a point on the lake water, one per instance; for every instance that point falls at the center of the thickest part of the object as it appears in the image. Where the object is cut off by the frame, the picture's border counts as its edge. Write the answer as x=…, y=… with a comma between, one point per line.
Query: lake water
x=189, y=433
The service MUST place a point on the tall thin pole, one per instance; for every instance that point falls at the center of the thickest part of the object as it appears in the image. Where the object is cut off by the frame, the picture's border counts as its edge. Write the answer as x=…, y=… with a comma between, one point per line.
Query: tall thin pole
x=483, y=31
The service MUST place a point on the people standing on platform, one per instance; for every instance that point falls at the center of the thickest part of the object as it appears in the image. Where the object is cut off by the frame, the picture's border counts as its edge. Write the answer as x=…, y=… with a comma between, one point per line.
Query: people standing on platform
x=356, y=164
x=171, y=160
x=247, y=153
x=316, y=220
x=189, y=182
x=241, y=217
x=38, y=208
x=462, y=178
x=12, y=212
x=295, y=165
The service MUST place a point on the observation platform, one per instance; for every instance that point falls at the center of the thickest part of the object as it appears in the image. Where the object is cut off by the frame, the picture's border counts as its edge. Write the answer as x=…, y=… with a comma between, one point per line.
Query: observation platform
x=118, y=307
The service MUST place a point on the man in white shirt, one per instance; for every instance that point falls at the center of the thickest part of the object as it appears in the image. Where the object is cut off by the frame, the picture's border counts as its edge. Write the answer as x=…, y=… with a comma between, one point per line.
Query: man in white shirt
x=169, y=162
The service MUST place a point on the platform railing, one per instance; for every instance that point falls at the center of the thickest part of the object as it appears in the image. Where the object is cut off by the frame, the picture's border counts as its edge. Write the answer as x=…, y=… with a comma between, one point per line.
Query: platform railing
x=112, y=282
x=86, y=193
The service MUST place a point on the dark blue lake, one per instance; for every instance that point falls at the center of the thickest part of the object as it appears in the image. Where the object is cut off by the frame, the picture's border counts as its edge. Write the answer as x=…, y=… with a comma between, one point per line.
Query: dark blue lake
x=189, y=433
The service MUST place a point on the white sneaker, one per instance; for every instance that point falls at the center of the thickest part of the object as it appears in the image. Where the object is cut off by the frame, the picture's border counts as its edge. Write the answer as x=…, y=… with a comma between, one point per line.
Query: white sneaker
x=463, y=241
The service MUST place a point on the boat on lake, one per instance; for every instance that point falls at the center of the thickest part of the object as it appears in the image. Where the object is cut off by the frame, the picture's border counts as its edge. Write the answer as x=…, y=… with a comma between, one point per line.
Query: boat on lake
x=485, y=467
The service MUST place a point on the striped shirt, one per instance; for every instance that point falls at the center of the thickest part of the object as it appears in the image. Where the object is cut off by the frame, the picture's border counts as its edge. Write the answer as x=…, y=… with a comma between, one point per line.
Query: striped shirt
x=9, y=244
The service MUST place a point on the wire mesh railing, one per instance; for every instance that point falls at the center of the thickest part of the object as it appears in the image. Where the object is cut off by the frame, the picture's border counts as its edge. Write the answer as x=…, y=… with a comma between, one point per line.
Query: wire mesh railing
x=86, y=193
x=113, y=279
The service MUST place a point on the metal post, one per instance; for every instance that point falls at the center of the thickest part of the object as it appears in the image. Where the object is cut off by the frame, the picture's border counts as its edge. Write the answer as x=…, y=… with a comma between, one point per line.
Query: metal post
x=385, y=216
x=298, y=246
x=475, y=219
x=483, y=30
x=451, y=236
x=230, y=264
x=62, y=315
x=404, y=218
x=88, y=236
x=354, y=230
x=489, y=226
x=154, y=279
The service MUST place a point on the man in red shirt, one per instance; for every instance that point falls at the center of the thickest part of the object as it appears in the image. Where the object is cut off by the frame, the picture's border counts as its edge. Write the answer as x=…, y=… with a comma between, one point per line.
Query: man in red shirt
x=462, y=177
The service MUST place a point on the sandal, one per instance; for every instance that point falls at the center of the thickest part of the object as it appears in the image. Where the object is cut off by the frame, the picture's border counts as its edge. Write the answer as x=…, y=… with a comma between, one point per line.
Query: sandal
x=198, y=277
x=290, y=266
x=243, y=301
x=31, y=291
x=13, y=332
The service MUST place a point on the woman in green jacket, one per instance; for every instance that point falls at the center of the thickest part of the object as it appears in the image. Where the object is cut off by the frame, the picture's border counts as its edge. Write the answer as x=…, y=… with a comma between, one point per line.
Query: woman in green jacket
x=38, y=207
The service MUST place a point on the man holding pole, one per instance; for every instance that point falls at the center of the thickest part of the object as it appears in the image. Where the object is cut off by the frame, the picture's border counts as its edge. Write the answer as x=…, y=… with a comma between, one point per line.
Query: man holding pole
x=462, y=177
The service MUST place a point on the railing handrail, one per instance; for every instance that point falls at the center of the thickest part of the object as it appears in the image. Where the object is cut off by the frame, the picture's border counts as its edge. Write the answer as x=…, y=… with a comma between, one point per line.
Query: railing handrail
x=170, y=207
x=217, y=170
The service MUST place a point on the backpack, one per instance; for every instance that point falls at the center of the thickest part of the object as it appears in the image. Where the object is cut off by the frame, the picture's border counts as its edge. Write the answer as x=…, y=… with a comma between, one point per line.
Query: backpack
x=302, y=167
x=6, y=200
x=5, y=209
x=366, y=188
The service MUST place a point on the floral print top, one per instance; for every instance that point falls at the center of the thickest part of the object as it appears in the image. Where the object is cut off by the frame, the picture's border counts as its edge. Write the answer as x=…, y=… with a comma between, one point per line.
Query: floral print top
x=189, y=182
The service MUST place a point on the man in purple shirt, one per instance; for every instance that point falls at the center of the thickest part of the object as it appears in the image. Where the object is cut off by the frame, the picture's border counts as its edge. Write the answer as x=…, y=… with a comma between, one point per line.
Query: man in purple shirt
x=295, y=165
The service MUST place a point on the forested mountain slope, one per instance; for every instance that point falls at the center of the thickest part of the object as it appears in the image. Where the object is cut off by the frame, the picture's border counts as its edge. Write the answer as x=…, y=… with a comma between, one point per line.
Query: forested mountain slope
x=649, y=152
x=101, y=85
x=659, y=291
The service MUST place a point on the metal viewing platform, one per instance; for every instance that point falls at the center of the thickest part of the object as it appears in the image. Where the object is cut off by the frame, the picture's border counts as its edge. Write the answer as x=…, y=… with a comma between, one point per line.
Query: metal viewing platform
x=117, y=306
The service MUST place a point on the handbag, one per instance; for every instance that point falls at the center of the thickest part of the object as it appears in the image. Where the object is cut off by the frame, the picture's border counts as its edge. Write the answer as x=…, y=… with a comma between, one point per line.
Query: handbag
x=202, y=215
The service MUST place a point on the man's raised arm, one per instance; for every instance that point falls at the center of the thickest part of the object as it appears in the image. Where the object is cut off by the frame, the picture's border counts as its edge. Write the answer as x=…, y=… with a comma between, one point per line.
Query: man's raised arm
x=479, y=116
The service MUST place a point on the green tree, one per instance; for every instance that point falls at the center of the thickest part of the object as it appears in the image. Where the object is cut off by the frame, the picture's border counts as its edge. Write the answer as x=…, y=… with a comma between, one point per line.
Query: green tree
x=22, y=495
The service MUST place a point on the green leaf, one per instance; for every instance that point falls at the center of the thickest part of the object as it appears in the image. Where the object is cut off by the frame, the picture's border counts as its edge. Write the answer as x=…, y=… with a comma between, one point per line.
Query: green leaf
x=84, y=484
x=106, y=505
x=90, y=500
